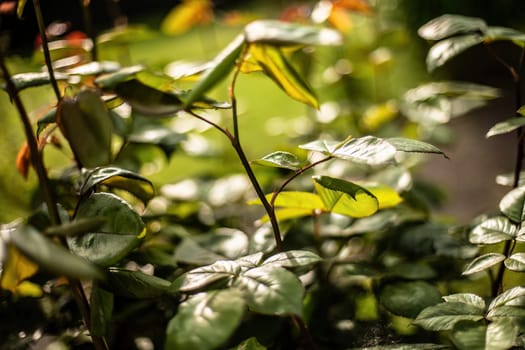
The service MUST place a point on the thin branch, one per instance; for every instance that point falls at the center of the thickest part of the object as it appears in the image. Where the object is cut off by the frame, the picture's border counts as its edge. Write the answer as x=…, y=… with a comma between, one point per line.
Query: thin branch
x=88, y=25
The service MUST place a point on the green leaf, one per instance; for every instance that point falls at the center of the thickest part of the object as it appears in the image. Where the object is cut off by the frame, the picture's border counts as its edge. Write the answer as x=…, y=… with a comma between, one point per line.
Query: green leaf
x=386, y=196
x=163, y=137
x=466, y=298
x=51, y=256
x=322, y=146
x=294, y=199
x=271, y=291
x=76, y=227
x=95, y=68
x=101, y=305
x=230, y=243
x=276, y=66
x=217, y=273
x=280, y=159
x=443, y=316
x=279, y=33
x=206, y=320
x=501, y=334
x=119, y=235
x=413, y=146
x=516, y=262
x=47, y=119
x=86, y=124
x=26, y=80
x=506, y=126
x=418, y=346
x=148, y=101
x=368, y=150
x=119, y=178
x=483, y=262
x=506, y=312
x=493, y=230
x=190, y=252
x=507, y=297
x=503, y=33
x=136, y=284
x=449, y=25
x=20, y=8
x=249, y=344
x=513, y=204
x=222, y=65
x=299, y=261
x=443, y=51
x=469, y=335
x=408, y=299
x=346, y=198
x=110, y=81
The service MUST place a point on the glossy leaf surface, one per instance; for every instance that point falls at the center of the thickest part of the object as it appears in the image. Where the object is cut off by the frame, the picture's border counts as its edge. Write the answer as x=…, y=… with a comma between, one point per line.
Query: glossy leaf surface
x=449, y=25
x=443, y=316
x=26, y=80
x=506, y=126
x=443, y=51
x=493, y=230
x=295, y=260
x=516, y=262
x=368, y=150
x=280, y=159
x=513, y=204
x=483, y=262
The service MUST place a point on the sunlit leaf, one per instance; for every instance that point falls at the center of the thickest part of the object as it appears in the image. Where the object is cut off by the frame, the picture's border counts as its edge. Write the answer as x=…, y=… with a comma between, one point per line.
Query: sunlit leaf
x=507, y=34
x=513, y=204
x=516, y=262
x=278, y=33
x=50, y=256
x=408, y=299
x=368, y=150
x=493, y=230
x=187, y=70
x=250, y=344
x=15, y=269
x=101, y=307
x=221, y=66
x=508, y=179
x=206, y=320
x=322, y=146
x=468, y=335
x=413, y=146
x=346, y=198
x=466, y=298
x=443, y=316
x=386, y=196
x=118, y=236
x=110, y=81
x=294, y=199
x=449, y=25
x=206, y=276
x=280, y=159
x=20, y=8
x=443, y=51
x=86, y=123
x=501, y=334
x=119, y=178
x=95, y=68
x=26, y=80
x=483, y=262
x=271, y=291
x=186, y=15
x=299, y=261
x=506, y=126
x=277, y=67
x=135, y=284
x=505, y=311
x=226, y=242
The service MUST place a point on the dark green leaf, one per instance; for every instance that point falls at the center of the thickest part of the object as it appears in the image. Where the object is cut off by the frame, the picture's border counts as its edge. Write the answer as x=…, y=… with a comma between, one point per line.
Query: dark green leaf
x=413, y=271
x=469, y=335
x=443, y=316
x=222, y=65
x=110, y=81
x=513, y=204
x=346, y=198
x=26, y=80
x=507, y=297
x=443, y=51
x=136, y=284
x=119, y=235
x=202, y=277
x=281, y=159
x=483, y=262
x=206, y=320
x=119, y=178
x=368, y=150
x=449, y=25
x=249, y=344
x=76, y=227
x=148, y=101
x=466, y=298
x=493, y=230
x=271, y=291
x=516, y=262
x=278, y=33
x=51, y=256
x=506, y=126
x=501, y=334
x=86, y=123
x=507, y=34
x=408, y=299
x=48, y=118
x=101, y=305
x=413, y=146
x=299, y=261
x=95, y=68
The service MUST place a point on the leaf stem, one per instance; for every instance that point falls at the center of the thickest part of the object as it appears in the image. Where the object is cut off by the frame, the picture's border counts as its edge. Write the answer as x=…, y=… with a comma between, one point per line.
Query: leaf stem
x=45, y=48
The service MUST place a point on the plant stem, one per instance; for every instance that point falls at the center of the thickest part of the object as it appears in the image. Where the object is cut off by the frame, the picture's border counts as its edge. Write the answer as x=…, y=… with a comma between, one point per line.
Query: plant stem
x=88, y=24
x=45, y=47
x=307, y=337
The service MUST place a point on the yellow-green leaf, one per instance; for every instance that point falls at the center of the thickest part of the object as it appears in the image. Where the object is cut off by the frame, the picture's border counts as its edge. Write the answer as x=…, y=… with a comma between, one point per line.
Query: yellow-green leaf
x=16, y=269
x=277, y=67
x=386, y=196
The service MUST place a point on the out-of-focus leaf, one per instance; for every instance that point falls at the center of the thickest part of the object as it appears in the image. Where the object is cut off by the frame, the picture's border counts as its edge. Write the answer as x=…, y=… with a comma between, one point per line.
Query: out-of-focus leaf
x=277, y=67
x=468, y=335
x=278, y=33
x=190, y=252
x=493, y=230
x=368, y=150
x=110, y=81
x=76, y=227
x=280, y=159
x=508, y=179
x=450, y=25
x=186, y=15
x=158, y=135
x=23, y=160
x=295, y=199
x=20, y=8
x=466, y=298
x=506, y=126
x=443, y=316
x=226, y=242
x=408, y=299
x=443, y=51
x=501, y=334
x=95, y=68
x=413, y=146
x=119, y=178
x=51, y=256
x=271, y=291
x=187, y=70
x=322, y=146
x=386, y=196
x=221, y=66
x=249, y=344
x=506, y=312
x=26, y=80
x=516, y=262
x=346, y=198
x=513, y=204
x=48, y=118
x=122, y=35
x=101, y=306
x=135, y=284
x=206, y=320
x=120, y=234
x=15, y=269
x=506, y=34
x=483, y=262
x=86, y=123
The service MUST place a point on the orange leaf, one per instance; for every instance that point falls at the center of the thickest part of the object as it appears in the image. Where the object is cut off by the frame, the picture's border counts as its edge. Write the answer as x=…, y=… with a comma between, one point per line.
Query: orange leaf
x=340, y=20
x=23, y=160
x=186, y=15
